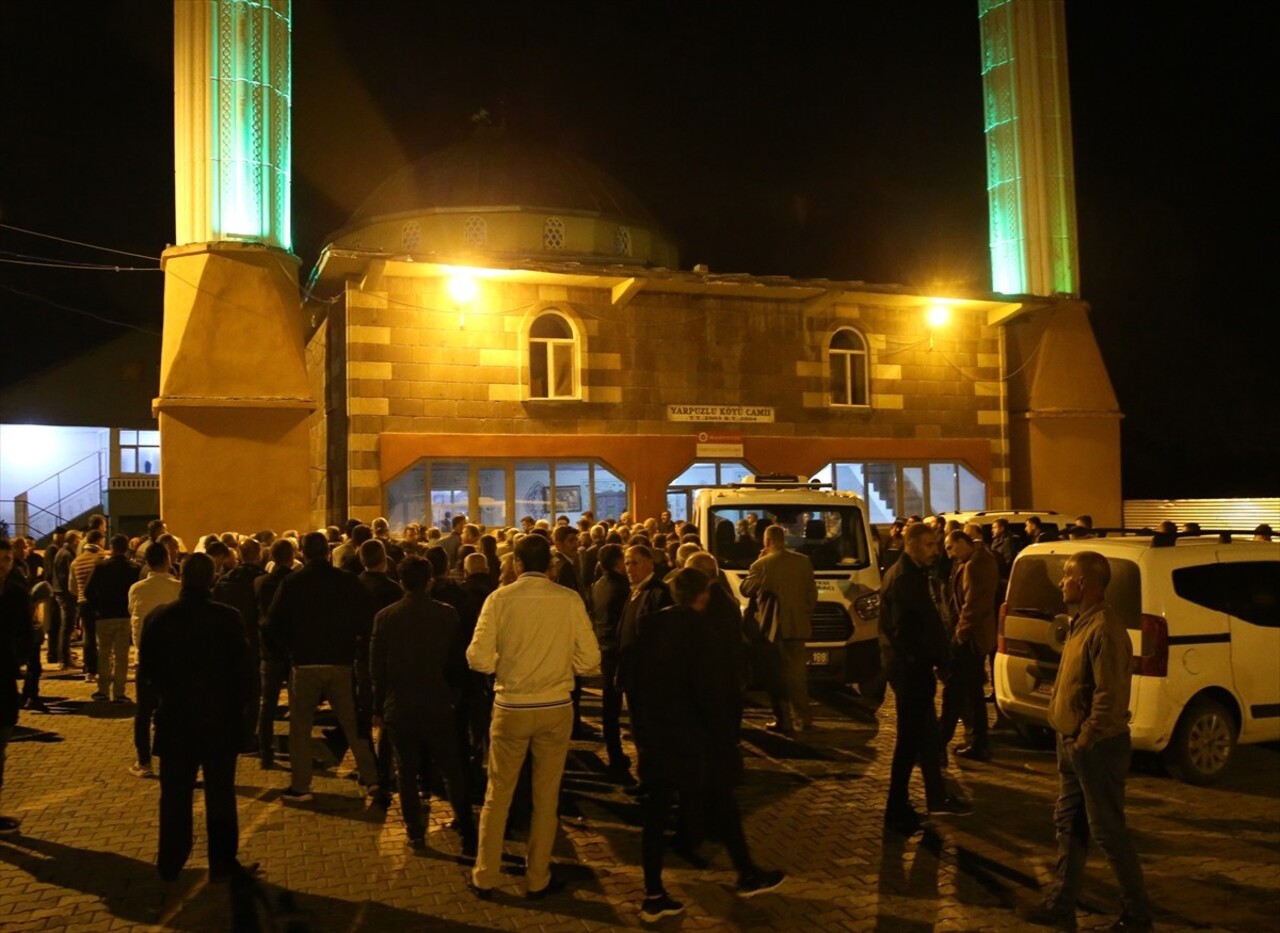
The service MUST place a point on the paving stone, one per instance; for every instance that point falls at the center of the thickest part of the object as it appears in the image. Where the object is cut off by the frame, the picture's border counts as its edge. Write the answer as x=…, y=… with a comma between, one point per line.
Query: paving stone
x=84, y=861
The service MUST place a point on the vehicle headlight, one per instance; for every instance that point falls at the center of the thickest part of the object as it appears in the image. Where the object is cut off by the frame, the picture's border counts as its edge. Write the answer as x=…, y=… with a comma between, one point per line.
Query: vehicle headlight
x=867, y=607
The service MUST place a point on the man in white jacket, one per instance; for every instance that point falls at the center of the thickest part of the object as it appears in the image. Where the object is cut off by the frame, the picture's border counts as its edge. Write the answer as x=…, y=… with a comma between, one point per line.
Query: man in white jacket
x=534, y=635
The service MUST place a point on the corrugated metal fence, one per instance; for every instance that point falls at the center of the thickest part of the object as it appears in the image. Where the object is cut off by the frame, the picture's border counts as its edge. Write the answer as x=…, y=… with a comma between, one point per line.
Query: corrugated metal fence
x=1210, y=513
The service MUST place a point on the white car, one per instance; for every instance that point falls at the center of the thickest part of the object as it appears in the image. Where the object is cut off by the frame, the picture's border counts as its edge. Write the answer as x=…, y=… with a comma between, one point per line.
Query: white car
x=1204, y=616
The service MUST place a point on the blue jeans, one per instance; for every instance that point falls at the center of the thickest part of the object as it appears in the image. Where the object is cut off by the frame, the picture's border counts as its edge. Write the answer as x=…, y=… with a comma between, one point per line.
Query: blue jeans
x=1091, y=805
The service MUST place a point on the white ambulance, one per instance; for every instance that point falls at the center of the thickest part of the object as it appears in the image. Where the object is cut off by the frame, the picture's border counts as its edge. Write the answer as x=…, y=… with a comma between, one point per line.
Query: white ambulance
x=832, y=529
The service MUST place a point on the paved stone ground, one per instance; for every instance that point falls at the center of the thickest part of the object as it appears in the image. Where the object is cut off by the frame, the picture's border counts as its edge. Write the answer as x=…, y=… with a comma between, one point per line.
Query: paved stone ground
x=84, y=861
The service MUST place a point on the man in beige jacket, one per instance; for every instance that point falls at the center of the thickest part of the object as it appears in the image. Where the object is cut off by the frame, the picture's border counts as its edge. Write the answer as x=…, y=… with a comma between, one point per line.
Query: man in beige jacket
x=787, y=576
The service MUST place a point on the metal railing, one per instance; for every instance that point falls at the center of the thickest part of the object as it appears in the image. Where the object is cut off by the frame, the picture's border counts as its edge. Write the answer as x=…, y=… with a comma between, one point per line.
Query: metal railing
x=67, y=494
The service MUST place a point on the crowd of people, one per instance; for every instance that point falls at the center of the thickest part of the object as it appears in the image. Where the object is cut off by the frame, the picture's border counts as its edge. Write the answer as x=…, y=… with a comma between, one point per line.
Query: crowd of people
x=453, y=660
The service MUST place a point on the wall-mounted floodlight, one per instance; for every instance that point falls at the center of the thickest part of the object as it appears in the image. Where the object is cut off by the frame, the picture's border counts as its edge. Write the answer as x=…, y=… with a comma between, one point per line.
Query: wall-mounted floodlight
x=463, y=290
x=937, y=316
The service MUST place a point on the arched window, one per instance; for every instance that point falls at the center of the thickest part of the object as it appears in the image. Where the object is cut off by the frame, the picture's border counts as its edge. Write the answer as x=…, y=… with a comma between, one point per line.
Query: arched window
x=553, y=370
x=848, y=363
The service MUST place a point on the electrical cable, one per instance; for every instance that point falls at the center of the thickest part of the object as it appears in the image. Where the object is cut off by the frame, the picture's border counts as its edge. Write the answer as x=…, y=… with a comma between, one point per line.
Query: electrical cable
x=81, y=311
x=50, y=236
x=79, y=267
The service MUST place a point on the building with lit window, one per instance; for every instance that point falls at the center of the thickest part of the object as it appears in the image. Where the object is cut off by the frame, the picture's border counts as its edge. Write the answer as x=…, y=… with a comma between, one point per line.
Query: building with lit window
x=502, y=330
x=80, y=438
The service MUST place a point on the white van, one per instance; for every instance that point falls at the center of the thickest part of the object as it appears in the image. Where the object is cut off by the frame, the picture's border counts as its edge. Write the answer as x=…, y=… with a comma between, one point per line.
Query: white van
x=829, y=527
x=1204, y=617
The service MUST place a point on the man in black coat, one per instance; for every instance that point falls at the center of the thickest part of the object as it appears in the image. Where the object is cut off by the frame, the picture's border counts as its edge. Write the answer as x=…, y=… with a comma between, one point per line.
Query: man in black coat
x=414, y=663
x=107, y=593
x=321, y=614
x=273, y=664
x=684, y=743
x=16, y=637
x=475, y=700
x=235, y=588
x=648, y=595
x=383, y=592
x=609, y=596
x=195, y=661
x=914, y=642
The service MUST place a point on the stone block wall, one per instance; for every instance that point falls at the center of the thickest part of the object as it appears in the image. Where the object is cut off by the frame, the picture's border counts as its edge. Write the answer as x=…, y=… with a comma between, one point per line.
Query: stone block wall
x=413, y=366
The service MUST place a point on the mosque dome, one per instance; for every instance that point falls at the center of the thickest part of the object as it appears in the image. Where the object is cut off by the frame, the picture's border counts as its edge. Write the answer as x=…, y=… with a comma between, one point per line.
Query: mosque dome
x=496, y=195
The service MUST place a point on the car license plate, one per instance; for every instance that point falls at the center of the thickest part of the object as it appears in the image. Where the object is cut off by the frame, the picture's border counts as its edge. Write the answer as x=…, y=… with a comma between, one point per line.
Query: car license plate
x=819, y=658
x=1044, y=689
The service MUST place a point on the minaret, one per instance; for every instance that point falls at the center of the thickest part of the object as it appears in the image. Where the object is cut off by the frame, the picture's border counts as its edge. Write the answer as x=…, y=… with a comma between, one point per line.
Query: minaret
x=1027, y=119
x=1064, y=420
x=234, y=399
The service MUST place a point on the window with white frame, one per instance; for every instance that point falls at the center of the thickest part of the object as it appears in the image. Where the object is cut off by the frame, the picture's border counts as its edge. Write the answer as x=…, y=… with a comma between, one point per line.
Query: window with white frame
x=848, y=366
x=553, y=349
x=140, y=452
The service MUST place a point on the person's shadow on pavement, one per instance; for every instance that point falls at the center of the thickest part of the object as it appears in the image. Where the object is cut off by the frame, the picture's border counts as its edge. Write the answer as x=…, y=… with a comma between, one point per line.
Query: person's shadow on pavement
x=909, y=898
x=129, y=888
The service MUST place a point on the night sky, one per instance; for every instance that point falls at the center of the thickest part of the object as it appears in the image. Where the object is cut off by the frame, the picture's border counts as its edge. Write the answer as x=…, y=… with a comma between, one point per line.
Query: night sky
x=836, y=141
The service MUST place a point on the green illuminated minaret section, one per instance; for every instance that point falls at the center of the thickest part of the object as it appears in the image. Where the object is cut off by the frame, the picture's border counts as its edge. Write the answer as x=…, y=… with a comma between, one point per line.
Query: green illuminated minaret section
x=1027, y=118
x=232, y=121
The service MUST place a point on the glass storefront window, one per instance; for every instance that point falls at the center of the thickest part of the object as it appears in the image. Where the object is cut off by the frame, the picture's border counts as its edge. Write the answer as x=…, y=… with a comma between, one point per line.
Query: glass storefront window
x=572, y=489
x=533, y=490
x=912, y=489
x=450, y=492
x=943, y=493
x=498, y=493
x=895, y=490
x=700, y=474
x=680, y=491
x=492, y=489
x=407, y=497
x=973, y=491
x=610, y=493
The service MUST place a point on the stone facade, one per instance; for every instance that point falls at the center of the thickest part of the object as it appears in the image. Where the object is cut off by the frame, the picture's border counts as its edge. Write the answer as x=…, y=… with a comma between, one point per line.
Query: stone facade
x=407, y=361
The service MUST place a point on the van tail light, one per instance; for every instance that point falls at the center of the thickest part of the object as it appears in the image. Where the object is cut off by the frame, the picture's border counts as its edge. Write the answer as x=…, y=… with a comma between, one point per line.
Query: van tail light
x=1000, y=647
x=1154, y=660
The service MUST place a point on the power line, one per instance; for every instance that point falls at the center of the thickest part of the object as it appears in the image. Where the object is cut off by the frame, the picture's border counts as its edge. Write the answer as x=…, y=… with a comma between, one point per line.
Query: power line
x=105, y=249
x=81, y=311
x=79, y=266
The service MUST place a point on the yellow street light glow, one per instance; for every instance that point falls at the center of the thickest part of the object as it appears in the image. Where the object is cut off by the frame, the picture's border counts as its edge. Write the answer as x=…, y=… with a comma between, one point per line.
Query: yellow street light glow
x=463, y=288
x=938, y=315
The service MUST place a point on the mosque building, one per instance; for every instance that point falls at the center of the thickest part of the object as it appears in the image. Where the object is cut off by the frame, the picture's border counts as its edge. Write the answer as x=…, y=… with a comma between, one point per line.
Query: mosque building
x=505, y=330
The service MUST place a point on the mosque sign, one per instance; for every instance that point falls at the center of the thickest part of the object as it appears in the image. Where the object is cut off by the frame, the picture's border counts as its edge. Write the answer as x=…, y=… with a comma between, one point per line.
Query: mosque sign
x=737, y=414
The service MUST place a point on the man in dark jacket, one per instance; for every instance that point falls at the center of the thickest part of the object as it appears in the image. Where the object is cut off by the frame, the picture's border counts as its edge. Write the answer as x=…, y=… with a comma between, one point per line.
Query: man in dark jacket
x=16, y=635
x=273, y=665
x=415, y=668
x=320, y=614
x=914, y=643
x=107, y=593
x=648, y=595
x=609, y=595
x=195, y=661
x=974, y=579
x=383, y=592
x=475, y=700
x=236, y=589
x=678, y=726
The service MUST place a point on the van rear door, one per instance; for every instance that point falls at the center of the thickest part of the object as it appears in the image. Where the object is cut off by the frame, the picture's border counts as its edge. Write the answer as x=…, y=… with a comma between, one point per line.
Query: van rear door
x=1247, y=591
